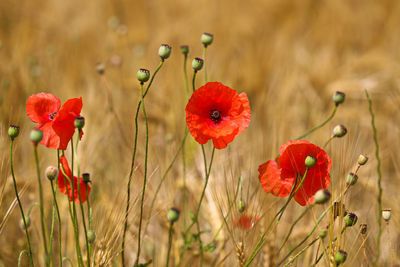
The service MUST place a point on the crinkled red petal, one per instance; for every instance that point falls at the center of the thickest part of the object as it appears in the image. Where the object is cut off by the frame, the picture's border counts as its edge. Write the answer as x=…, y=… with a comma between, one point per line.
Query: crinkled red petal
x=40, y=106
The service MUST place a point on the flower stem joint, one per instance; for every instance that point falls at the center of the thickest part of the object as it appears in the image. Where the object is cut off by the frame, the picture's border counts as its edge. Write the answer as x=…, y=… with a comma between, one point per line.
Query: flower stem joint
x=338, y=97
x=143, y=75
x=164, y=51
x=173, y=215
x=36, y=136
x=197, y=64
x=207, y=39
x=13, y=131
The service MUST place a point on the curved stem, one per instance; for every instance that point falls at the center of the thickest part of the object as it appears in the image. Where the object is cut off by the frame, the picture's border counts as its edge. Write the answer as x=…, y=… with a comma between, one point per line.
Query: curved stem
x=319, y=126
x=20, y=256
x=30, y=255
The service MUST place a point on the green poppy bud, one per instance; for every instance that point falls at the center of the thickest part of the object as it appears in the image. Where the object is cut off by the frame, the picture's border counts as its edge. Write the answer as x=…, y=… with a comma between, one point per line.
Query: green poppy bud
x=350, y=219
x=338, y=98
x=79, y=122
x=13, y=131
x=143, y=75
x=241, y=206
x=173, y=215
x=362, y=159
x=351, y=179
x=322, y=234
x=91, y=236
x=197, y=64
x=36, y=136
x=310, y=161
x=322, y=196
x=164, y=51
x=339, y=131
x=340, y=257
x=207, y=39
x=184, y=49
x=51, y=173
x=27, y=221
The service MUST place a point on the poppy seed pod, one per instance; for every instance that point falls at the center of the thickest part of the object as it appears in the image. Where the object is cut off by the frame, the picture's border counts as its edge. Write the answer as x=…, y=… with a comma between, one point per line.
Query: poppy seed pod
x=13, y=131
x=173, y=215
x=164, y=51
x=51, y=173
x=362, y=159
x=340, y=257
x=27, y=221
x=338, y=97
x=79, y=122
x=91, y=236
x=351, y=179
x=241, y=206
x=322, y=234
x=184, y=49
x=207, y=39
x=310, y=161
x=143, y=75
x=100, y=68
x=197, y=64
x=350, y=219
x=322, y=196
x=86, y=177
x=386, y=214
x=339, y=131
x=363, y=228
x=36, y=136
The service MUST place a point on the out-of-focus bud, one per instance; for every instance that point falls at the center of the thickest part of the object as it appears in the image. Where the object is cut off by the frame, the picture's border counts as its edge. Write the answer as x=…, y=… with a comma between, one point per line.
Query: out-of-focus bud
x=310, y=161
x=36, y=136
x=322, y=196
x=143, y=75
x=362, y=159
x=351, y=179
x=184, y=49
x=338, y=97
x=339, y=131
x=197, y=64
x=322, y=233
x=173, y=215
x=100, y=68
x=86, y=177
x=91, y=236
x=164, y=51
x=363, y=228
x=340, y=257
x=386, y=214
x=13, y=131
x=241, y=206
x=27, y=221
x=207, y=39
x=350, y=219
x=51, y=173
x=339, y=209
x=79, y=122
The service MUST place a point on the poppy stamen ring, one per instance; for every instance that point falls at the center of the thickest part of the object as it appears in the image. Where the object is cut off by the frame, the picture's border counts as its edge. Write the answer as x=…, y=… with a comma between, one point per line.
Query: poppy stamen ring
x=215, y=116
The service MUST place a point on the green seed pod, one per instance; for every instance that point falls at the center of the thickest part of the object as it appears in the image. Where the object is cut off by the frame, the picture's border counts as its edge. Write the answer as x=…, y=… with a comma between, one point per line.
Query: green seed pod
x=207, y=39
x=79, y=122
x=322, y=233
x=51, y=173
x=91, y=236
x=184, y=49
x=310, y=161
x=351, y=179
x=340, y=257
x=338, y=97
x=13, y=131
x=322, y=196
x=173, y=215
x=27, y=221
x=362, y=159
x=339, y=131
x=164, y=51
x=350, y=219
x=241, y=206
x=197, y=64
x=143, y=75
x=36, y=136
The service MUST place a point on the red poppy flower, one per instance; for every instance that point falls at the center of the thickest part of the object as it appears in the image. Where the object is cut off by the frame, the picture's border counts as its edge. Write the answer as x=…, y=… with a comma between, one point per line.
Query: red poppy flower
x=217, y=112
x=67, y=189
x=278, y=176
x=56, y=123
x=245, y=222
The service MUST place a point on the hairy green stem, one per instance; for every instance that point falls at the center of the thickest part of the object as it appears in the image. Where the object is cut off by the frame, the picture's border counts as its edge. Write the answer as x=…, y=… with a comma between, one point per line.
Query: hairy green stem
x=319, y=126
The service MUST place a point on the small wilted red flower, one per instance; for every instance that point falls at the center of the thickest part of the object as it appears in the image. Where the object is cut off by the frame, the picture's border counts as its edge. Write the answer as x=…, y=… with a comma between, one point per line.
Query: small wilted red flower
x=217, y=112
x=245, y=222
x=280, y=175
x=57, y=124
x=67, y=189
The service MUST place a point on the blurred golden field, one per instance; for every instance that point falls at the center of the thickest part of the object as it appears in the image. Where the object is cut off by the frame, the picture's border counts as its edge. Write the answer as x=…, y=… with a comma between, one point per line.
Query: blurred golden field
x=288, y=56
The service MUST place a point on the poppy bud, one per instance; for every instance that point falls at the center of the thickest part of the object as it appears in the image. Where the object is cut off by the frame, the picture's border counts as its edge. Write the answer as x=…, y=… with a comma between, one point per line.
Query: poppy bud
x=27, y=221
x=91, y=236
x=13, y=131
x=143, y=75
x=338, y=98
x=340, y=257
x=322, y=196
x=164, y=51
x=350, y=219
x=100, y=68
x=241, y=206
x=362, y=159
x=197, y=64
x=184, y=49
x=36, y=136
x=86, y=177
x=322, y=234
x=339, y=131
x=207, y=39
x=386, y=214
x=310, y=161
x=351, y=179
x=79, y=122
x=51, y=173
x=173, y=215
x=363, y=228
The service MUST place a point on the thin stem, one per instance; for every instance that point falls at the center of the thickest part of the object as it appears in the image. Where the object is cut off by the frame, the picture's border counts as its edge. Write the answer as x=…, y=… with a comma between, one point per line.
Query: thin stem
x=186, y=76
x=41, y=204
x=194, y=80
x=205, y=66
x=30, y=255
x=145, y=174
x=319, y=126
x=20, y=256
x=378, y=170
x=53, y=218
x=169, y=242
x=133, y=164
x=301, y=252
x=89, y=210
x=59, y=220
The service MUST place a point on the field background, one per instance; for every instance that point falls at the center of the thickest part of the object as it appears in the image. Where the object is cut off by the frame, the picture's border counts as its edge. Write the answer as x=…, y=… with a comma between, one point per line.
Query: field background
x=288, y=56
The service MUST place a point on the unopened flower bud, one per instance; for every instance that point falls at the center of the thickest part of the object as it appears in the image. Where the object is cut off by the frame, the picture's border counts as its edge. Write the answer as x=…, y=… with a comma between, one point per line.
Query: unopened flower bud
x=351, y=179
x=322, y=196
x=184, y=49
x=143, y=75
x=339, y=131
x=340, y=257
x=363, y=228
x=338, y=98
x=197, y=64
x=350, y=219
x=36, y=136
x=51, y=173
x=79, y=122
x=100, y=68
x=386, y=214
x=91, y=236
x=86, y=177
x=13, y=131
x=207, y=39
x=241, y=206
x=173, y=215
x=164, y=51
x=362, y=159
x=310, y=161
x=322, y=233
x=27, y=221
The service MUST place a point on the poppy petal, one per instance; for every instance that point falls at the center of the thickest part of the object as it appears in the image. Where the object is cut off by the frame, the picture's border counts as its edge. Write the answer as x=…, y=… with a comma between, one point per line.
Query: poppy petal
x=41, y=106
x=271, y=182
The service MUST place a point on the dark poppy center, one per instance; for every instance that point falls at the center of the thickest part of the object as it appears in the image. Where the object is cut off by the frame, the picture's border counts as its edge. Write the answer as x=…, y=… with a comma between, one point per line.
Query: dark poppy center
x=51, y=116
x=215, y=116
